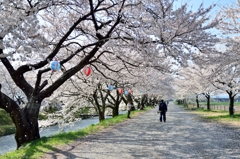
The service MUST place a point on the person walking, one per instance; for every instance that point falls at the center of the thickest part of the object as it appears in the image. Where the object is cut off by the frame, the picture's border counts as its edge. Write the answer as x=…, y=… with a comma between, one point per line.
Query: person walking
x=162, y=109
x=129, y=107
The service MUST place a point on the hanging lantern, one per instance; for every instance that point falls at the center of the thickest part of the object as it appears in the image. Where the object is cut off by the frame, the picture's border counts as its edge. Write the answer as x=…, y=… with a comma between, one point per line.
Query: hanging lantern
x=110, y=87
x=126, y=92
x=130, y=91
x=55, y=65
x=120, y=90
x=87, y=71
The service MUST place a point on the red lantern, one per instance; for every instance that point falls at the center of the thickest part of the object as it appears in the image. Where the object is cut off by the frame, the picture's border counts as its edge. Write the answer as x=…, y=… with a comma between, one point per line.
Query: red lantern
x=87, y=71
x=130, y=91
x=120, y=90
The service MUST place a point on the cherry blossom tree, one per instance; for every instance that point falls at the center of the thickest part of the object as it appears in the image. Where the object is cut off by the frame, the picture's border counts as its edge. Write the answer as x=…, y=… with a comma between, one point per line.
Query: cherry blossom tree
x=59, y=34
x=226, y=78
x=225, y=75
x=177, y=33
x=94, y=88
x=194, y=80
x=82, y=33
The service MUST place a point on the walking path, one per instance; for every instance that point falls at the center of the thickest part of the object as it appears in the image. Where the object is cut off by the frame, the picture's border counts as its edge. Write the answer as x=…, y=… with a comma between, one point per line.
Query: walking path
x=184, y=136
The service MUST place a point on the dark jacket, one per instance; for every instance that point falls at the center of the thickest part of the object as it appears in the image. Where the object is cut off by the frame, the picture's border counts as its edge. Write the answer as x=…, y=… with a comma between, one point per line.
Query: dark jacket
x=162, y=106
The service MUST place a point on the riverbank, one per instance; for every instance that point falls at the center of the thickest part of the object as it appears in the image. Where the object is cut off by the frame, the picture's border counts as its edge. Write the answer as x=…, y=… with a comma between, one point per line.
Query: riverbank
x=56, y=139
x=6, y=125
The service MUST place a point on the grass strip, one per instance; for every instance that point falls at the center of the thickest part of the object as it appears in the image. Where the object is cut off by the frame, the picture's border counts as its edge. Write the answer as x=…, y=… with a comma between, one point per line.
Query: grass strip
x=219, y=116
x=220, y=103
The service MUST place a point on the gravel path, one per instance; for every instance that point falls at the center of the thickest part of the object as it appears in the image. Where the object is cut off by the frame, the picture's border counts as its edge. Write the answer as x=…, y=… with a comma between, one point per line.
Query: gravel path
x=184, y=135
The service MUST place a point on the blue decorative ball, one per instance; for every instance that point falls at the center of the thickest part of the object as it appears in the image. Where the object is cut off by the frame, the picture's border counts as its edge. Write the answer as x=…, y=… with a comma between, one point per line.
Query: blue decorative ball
x=55, y=65
x=110, y=87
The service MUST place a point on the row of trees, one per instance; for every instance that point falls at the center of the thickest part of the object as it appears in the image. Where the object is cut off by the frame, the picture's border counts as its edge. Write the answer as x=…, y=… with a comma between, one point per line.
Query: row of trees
x=218, y=71
x=129, y=44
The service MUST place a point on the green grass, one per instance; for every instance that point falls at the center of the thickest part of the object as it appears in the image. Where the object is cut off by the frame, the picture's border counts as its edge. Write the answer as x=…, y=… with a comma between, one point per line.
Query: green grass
x=221, y=103
x=6, y=124
x=205, y=110
x=38, y=148
x=218, y=115
x=235, y=117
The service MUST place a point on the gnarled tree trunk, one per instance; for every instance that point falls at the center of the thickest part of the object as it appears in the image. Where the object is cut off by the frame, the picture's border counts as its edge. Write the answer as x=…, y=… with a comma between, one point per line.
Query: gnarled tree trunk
x=25, y=119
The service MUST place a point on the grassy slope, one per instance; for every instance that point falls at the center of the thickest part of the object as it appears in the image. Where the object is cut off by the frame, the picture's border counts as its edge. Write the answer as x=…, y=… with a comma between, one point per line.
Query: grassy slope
x=37, y=148
x=6, y=124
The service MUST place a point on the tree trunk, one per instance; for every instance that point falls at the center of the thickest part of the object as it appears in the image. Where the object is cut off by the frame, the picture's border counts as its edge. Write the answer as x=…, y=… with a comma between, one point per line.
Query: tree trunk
x=101, y=116
x=231, y=104
x=100, y=111
x=197, y=101
x=115, y=110
x=25, y=119
x=26, y=129
x=27, y=126
x=138, y=105
x=185, y=102
x=144, y=99
x=208, y=101
x=116, y=102
x=99, y=108
x=207, y=95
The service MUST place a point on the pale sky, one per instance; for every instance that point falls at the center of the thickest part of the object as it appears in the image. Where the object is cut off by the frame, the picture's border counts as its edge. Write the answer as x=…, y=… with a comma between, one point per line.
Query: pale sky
x=206, y=3
x=194, y=4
